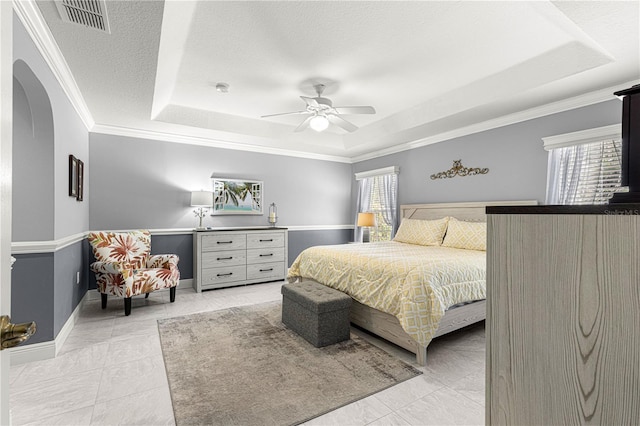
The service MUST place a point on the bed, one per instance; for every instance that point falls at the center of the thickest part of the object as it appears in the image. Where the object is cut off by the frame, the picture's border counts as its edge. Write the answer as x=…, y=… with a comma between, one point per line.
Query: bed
x=407, y=293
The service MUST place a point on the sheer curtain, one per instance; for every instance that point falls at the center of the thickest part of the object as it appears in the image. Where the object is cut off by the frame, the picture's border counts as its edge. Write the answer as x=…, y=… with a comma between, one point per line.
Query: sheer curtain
x=584, y=174
x=387, y=187
x=377, y=193
x=362, y=205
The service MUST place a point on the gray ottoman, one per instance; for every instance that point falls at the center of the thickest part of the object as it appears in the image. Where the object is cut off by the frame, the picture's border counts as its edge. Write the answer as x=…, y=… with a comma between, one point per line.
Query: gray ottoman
x=316, y=312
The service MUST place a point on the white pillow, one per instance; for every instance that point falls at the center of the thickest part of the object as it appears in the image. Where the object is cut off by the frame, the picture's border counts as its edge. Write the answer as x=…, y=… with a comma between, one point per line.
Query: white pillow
x=466, y=235
x=422, y=232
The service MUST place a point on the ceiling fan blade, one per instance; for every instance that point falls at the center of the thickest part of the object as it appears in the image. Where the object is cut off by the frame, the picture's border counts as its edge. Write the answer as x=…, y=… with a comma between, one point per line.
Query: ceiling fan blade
x=355, y=110
x=284, y=113
x=341, y=122
x=310, y=101
x=304, y=124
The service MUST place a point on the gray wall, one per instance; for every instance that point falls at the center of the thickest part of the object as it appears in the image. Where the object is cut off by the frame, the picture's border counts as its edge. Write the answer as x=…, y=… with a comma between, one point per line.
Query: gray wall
x=514, y=155
x=32, y=293
x=48, y=129
x=140, y=183
x=70, y=137
x=32, y=203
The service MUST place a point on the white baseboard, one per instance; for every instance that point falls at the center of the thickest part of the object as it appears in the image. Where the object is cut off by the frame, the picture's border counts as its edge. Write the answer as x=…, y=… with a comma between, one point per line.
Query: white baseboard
x=47, y=350
x=34, y=352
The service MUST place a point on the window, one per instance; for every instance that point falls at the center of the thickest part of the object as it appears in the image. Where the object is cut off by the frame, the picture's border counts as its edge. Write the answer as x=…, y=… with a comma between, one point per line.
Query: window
x=584, y=171
x=377, y=193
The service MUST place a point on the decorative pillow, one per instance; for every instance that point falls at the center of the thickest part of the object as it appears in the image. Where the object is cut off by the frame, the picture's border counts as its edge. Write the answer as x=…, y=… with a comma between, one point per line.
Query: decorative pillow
x=466, y=235
x=422, y=232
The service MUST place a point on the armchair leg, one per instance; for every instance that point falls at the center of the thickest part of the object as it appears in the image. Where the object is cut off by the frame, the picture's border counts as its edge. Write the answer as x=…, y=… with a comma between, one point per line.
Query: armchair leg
x=127, y=306
x=172, y=294
x=146, y=296
x=103, y=297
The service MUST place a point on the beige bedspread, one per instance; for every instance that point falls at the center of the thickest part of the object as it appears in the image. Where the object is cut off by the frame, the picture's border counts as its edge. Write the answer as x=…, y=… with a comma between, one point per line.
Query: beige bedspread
x=414, y=283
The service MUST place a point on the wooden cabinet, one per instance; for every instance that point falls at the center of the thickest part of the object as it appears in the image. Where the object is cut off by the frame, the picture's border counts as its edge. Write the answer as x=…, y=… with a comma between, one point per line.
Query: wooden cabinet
x=230, y=257
x=563, y=315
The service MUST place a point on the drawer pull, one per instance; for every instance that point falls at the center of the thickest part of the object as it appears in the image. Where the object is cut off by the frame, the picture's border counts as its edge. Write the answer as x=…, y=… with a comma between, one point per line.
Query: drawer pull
x=224, y=258
x=266, y=255
x=266, y=270
x=266, y=241
x=224, y=242
x=225, y=275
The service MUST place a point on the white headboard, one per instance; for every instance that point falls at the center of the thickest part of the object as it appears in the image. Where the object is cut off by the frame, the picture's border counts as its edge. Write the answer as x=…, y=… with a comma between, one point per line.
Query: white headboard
x=471, y=211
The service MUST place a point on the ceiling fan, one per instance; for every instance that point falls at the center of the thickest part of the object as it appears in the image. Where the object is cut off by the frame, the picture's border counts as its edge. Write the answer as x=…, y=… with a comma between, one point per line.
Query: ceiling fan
x=322, y=113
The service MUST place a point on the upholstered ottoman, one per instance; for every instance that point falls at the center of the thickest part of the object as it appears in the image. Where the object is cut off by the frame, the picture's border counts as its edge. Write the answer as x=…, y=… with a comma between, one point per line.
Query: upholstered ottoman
x=316, y=312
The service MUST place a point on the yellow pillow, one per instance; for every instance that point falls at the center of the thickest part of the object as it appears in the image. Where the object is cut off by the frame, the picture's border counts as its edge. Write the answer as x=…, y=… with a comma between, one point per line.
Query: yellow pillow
x=466, y=235
x=422, y=232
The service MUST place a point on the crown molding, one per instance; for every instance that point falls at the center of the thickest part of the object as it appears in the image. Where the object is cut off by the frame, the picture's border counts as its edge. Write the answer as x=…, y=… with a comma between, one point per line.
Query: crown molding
x=210, y=142
x=580, y=101
x=37, y=28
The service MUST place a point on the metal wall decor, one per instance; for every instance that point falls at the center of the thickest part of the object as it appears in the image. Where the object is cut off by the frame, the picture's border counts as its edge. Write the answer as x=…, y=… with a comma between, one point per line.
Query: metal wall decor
x=459, y=170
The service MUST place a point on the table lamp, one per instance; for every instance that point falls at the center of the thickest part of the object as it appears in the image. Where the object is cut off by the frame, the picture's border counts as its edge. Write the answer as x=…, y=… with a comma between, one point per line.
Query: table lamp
x=203, y=200
x=366, y=220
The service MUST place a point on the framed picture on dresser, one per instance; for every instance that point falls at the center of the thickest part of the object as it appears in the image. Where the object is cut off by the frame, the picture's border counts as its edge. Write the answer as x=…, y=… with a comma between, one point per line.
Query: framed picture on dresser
x=237, y=196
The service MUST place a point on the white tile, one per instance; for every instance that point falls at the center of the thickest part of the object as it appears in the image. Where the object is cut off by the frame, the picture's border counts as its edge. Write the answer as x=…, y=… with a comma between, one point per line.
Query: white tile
x=358, y=413
x=132, y=377
x=53, y=397
x=152, y=407
x=81, y=417
x=443, y=407
x=472, y=386
x=392, y=419
x=85, y=359
x=14, y=372
x=133, y=348
x=408, y=391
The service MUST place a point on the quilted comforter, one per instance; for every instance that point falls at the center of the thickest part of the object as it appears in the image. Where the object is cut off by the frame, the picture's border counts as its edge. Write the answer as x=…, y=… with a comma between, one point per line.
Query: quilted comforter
x=416, y=284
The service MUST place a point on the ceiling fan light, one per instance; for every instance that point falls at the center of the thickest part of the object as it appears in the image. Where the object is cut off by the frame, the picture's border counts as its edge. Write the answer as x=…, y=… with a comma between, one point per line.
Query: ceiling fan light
x=319, y=123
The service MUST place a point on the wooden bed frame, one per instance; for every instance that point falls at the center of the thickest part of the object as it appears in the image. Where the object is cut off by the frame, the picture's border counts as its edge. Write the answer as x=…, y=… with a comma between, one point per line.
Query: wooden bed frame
x=386, y=325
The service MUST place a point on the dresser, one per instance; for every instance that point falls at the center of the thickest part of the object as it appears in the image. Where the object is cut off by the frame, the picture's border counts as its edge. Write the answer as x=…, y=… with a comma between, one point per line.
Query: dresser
x=563, y=315
x=226, y=257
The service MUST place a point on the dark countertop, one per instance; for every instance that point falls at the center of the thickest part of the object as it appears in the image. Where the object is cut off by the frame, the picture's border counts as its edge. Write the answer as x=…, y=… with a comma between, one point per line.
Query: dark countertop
x=240, y=228
x=604, y=209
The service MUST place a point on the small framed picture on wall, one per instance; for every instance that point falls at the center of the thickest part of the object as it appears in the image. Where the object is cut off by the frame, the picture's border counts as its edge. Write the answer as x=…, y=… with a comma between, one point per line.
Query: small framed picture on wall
x=80, y=189
x=73, y=176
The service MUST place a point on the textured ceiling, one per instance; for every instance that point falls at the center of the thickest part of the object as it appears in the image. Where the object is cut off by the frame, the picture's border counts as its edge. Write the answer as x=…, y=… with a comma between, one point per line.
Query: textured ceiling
x=429, y=68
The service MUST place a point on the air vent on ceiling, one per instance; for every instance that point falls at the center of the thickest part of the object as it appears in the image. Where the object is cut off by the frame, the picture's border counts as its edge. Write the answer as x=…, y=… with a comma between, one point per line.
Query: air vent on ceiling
x=89, y=13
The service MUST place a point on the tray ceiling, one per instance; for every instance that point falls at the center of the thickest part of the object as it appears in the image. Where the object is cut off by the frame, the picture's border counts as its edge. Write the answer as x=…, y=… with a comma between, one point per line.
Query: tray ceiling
x=430, y=69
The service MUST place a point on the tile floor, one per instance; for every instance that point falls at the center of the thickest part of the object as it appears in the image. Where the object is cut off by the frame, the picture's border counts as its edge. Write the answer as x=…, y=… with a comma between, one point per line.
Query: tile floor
x=110, y=371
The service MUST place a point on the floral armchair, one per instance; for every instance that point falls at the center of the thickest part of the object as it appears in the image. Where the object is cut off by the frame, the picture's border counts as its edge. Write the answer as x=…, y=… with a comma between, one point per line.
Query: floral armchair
x=125, y=267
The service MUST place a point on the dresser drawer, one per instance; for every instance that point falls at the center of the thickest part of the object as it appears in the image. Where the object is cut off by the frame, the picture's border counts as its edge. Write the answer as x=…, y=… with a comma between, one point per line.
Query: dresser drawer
x=223, y=275
x=266, y=271
x=271, y=239
x=265, y=255
x=218, y=259
x=218, y=242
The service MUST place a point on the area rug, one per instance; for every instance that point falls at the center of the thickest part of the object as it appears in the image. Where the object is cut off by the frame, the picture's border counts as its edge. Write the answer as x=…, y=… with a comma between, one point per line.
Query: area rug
x=242, y=366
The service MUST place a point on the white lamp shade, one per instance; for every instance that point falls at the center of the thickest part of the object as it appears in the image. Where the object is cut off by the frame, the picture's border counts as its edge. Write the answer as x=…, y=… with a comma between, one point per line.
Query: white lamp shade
x=319, y=123
x=202, y=199
x=366, y=219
